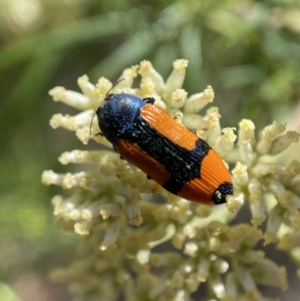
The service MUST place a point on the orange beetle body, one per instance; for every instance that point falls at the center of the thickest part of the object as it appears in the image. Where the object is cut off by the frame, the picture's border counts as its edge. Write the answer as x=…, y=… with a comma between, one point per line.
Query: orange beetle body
x=169, y=153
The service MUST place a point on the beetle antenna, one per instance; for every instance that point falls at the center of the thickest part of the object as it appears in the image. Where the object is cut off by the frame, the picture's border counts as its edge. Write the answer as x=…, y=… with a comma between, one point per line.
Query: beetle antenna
x=105, y=95
x=92, y=122
x=114, y=85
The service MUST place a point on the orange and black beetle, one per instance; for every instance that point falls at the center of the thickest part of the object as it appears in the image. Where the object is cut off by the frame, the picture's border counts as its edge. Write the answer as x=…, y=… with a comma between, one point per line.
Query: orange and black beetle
x=169, y=153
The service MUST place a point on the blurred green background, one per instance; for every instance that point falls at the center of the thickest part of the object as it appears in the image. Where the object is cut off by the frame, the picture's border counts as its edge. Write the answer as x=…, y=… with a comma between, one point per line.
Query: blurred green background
x=248, y=51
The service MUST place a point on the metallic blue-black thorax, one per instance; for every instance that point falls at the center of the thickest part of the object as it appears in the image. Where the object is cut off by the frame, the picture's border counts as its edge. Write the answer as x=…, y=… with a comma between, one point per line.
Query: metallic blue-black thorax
x=117, y=115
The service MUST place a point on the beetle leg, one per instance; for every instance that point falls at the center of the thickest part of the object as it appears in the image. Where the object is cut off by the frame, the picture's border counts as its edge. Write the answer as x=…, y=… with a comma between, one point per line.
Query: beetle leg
x=193, y=131
x=150, y=100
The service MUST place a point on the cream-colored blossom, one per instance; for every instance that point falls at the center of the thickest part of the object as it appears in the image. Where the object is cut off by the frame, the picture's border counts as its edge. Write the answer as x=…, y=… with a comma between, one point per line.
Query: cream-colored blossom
x=122, y=216
x=176, y=78
x=258, y=176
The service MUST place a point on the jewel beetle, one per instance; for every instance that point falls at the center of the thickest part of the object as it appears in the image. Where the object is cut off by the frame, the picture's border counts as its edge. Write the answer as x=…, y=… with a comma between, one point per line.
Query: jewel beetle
x=169, y=153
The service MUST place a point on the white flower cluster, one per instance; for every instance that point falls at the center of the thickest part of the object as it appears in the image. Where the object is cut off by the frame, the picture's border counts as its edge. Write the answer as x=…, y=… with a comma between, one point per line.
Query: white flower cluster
x=271, y=188
x=100, y=202
x=219, y=255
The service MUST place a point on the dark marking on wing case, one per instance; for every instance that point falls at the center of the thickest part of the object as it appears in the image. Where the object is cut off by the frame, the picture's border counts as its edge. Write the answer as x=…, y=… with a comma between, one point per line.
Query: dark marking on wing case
x=182, y=164
x=219, y=195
